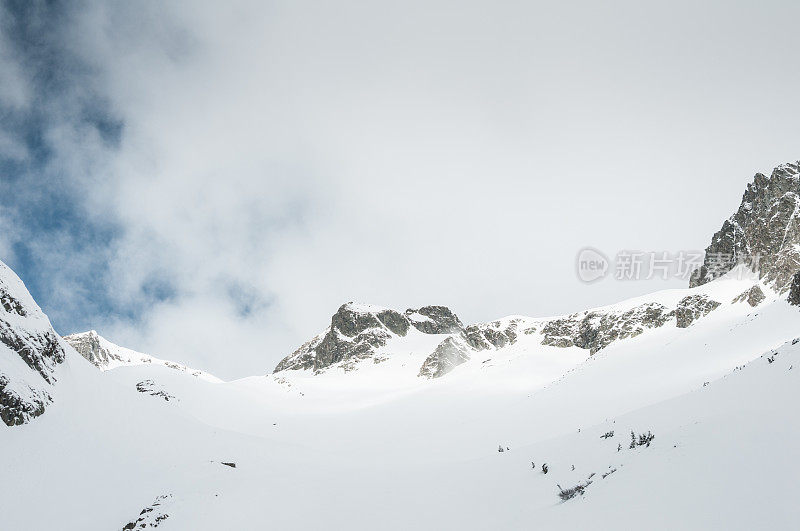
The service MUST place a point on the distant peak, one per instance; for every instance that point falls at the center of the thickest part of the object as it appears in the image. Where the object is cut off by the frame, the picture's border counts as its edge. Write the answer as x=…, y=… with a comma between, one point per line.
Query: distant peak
x=358, y=330
x=106, y=355
x=763, y=234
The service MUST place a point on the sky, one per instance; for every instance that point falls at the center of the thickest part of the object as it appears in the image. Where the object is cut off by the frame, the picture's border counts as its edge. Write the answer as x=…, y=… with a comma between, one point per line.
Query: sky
x=208, y=182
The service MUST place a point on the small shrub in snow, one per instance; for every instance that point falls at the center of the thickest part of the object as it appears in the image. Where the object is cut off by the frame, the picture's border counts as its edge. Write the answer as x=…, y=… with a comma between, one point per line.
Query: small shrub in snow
x=607, y=435
x=568, y=494
x=545, y=468
x=606, y=474
x=500, y=448
x=643, y=439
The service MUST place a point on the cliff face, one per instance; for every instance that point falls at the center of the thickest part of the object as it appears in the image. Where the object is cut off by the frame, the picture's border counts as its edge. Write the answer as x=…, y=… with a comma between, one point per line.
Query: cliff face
x=763, y=234
x=30, y=351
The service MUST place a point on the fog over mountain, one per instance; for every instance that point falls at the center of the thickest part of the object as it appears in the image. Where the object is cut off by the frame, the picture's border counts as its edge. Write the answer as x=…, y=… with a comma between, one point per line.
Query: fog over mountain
x=363, y=265
x=176, y=176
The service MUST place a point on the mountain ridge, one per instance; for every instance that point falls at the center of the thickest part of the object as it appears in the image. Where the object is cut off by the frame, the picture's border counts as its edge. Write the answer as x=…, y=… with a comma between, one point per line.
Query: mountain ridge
x=106, y=355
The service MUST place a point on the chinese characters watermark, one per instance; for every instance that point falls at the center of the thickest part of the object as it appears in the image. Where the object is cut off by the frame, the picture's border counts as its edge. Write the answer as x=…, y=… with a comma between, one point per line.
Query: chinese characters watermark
x=593, y=265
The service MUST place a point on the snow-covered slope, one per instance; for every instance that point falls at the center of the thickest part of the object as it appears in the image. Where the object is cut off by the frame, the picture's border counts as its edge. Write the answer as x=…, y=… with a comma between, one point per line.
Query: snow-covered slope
x=674, y=410
x=105, y=355
x=30, y=352
x=365, y=449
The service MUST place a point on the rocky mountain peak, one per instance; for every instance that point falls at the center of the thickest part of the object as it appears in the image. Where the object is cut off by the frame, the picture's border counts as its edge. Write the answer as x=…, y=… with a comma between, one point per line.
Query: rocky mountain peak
x=435, y=320
x=352, y=319
x=763, y=234
x=90, y=346
x=357, y=331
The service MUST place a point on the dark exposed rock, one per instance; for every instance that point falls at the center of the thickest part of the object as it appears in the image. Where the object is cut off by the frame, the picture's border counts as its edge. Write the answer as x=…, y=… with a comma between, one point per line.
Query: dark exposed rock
x=458, y=349
x=449, y=354
x=12, y=305
x=692, y=308
x=596, y=330
x=496, y=334
x=794, y=290
x=763, y=234
x=40, y=351
x=358, y=331
x=435, y=320
x=151, y=516
x=15, y=409
x=151, y=388
x=350, y=320
x=396, y=322
x=753, y=296
x=25, y=333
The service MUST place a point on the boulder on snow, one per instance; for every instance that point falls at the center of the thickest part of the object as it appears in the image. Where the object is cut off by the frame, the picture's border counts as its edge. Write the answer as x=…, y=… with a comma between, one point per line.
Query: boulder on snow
x=692, y=308
x=753, y=296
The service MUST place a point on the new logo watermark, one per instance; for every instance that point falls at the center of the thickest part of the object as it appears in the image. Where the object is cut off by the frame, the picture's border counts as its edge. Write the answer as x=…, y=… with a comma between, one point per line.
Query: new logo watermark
x=591, y=265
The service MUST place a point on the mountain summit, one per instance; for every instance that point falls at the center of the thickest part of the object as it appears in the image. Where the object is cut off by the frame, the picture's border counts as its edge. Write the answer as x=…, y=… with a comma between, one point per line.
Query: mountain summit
x=358, y=331
x=763, y=234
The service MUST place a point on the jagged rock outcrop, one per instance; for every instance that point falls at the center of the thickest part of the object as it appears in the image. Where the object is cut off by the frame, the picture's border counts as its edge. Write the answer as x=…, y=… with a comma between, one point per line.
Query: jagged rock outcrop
x=88, y=345
x=151, y=388
x=435, y=320
x=450, y=353
x=753, y=296
x=596, y=329
x=496, y=334
x=763, y=234
x=692, y=308
x=357, y=331
x=459, y=348
x=151, y=516
x=794, y=290
x=30, y=351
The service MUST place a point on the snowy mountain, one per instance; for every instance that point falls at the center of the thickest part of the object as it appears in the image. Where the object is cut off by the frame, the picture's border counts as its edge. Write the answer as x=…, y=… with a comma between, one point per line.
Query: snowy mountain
x=361, y=333
x=674, y=410
x=30, y=351
x=105, y=355
x=764, y=233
